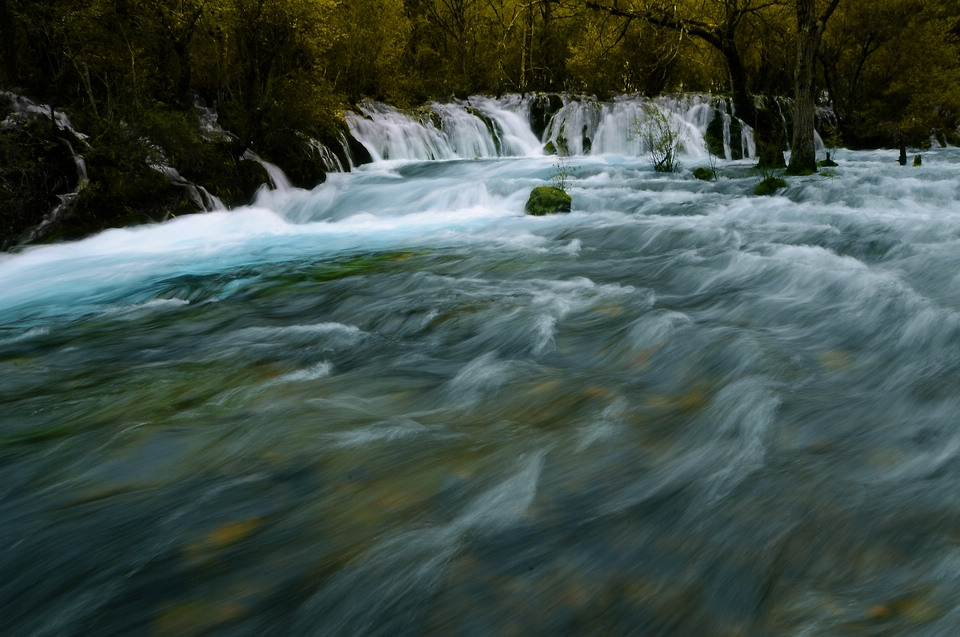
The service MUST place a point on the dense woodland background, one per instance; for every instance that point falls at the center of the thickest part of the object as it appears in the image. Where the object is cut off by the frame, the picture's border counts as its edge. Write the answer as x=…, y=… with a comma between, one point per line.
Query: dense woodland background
x=131, y=72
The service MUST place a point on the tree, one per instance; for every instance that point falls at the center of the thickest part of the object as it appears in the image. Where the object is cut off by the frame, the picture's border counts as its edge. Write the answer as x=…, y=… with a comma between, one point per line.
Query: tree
x=857, y=34
x=717, y=23
x=810, y=26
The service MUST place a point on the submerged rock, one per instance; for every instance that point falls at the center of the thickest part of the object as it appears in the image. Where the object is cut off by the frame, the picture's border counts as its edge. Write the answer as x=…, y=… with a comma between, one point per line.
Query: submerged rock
x=545, y=200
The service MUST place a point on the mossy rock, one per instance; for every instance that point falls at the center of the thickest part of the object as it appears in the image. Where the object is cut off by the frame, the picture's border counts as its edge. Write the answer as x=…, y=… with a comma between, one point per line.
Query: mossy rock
x=704, y=174
x=546, y=200
x=769, y=186
x=556, y=148
x=827, y=163
x=427, y=116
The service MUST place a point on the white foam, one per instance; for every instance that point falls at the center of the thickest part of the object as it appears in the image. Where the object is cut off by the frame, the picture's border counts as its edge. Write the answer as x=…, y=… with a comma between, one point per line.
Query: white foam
x=316, y=372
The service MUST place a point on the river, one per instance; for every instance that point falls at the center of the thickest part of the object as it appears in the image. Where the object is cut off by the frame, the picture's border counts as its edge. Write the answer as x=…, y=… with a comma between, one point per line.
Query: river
x=396, y=405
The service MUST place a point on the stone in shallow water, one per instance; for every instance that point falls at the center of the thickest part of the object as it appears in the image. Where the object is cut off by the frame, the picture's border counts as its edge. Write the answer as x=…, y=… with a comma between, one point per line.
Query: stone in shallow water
x=545, y=200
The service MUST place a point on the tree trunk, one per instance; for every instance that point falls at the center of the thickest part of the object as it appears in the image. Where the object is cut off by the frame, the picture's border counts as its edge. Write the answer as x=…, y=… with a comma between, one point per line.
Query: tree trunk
x=185, y=73
x=803, y=156
x=742, y=102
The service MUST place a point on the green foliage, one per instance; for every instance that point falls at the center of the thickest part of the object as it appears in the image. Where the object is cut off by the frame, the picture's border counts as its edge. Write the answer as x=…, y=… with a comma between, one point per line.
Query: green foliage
x=545, y=200
x=893, y=68
x=563, y=172
x=662, y=138
x=124, y=187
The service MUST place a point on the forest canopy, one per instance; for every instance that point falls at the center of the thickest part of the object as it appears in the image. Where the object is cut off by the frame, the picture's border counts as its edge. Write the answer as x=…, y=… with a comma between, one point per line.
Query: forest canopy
x=888, y=68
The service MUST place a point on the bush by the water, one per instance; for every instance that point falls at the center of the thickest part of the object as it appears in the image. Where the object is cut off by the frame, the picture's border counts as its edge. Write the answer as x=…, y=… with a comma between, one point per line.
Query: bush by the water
x=769, y=186
x=545, y=200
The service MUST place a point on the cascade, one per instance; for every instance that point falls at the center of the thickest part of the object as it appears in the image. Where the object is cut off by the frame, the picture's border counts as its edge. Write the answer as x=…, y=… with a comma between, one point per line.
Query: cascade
x=478, y=127
x=331, y=162
x=278, y=179
x=485, y=127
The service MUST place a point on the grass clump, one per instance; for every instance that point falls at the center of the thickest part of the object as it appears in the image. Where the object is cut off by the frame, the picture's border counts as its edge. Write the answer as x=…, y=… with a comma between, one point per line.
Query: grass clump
x=769, y=186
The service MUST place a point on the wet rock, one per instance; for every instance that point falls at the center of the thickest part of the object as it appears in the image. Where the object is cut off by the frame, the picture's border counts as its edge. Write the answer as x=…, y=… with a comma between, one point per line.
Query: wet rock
x=558, y=148
x=545, y=200
x=358, y=152
x=918, y=161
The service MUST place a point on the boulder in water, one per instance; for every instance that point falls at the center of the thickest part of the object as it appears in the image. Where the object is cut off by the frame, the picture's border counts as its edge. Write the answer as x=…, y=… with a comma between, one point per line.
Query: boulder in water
x=546, y=200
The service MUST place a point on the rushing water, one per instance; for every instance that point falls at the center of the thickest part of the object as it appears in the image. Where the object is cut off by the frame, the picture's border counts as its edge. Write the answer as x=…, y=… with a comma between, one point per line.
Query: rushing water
x=395, y=405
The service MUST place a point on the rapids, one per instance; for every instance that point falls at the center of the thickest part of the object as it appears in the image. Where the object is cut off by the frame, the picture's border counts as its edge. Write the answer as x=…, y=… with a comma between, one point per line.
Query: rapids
x=395, y=405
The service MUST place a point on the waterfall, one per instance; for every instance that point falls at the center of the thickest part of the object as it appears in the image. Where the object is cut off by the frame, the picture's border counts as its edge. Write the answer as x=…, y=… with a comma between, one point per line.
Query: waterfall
x=278, y=179
x=331, y=162
x=486, y=127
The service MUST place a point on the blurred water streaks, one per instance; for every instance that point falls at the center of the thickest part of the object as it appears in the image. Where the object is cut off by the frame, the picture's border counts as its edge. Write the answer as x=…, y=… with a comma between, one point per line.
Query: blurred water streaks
x=397, y=406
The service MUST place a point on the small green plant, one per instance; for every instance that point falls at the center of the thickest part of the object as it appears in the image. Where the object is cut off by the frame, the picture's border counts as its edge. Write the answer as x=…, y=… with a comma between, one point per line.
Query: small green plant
x=662, y=136
x=563, y=172
x=770, y=182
